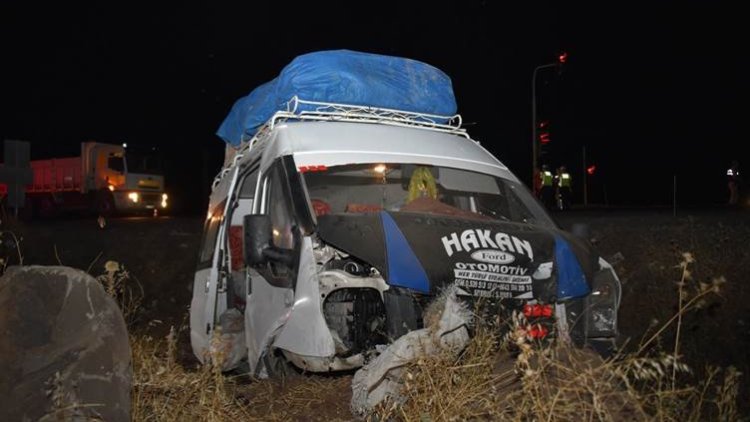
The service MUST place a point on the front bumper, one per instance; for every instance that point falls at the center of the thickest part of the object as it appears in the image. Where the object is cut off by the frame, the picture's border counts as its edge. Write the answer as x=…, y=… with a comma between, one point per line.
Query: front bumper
x=134, y=201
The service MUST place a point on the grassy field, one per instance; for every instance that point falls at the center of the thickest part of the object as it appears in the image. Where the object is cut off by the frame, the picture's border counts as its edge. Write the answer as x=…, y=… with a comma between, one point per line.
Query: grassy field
x=684, y=295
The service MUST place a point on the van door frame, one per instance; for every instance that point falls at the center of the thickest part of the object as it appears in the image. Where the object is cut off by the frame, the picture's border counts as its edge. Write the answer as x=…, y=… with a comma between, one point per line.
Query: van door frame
x=216, y=277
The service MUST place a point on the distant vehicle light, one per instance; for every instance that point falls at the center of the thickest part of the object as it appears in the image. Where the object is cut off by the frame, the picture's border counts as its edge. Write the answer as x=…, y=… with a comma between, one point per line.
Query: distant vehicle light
x=111, y=188
x=133, y=196
x=164, y=197
x=124, y=145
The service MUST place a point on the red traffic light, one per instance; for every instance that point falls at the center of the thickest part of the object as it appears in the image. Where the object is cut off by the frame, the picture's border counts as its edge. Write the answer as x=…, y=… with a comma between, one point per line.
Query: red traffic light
x=563, y=57
x=591, y=169
x=544, y=138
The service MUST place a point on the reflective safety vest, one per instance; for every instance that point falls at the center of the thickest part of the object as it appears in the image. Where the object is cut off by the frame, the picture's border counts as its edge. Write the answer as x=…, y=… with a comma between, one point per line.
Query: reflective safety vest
x=565, y=180
x=546, y=178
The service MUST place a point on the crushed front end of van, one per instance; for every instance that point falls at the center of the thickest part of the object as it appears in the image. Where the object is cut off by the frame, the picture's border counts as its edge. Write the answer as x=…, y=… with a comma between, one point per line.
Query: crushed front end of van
x=332, y=227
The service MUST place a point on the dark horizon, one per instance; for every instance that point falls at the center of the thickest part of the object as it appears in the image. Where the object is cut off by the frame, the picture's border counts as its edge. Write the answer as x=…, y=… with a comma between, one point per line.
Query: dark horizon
x=651, y=91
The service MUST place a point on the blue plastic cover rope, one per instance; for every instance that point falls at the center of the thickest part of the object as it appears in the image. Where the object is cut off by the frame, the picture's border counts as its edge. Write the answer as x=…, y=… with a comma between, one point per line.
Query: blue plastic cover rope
x=343, y=77
x=571, y=281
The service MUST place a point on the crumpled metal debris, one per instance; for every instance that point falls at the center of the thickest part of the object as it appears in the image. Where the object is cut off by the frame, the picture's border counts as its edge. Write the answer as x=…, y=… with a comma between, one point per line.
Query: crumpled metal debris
x=446, y=330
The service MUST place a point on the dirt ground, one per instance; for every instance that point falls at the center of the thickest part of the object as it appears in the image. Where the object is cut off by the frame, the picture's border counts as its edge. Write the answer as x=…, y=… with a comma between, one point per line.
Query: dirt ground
x=647, y=247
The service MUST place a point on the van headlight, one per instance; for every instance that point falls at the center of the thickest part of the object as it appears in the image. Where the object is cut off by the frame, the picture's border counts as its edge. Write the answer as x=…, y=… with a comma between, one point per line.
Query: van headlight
x=134, y=197
x=602, y=305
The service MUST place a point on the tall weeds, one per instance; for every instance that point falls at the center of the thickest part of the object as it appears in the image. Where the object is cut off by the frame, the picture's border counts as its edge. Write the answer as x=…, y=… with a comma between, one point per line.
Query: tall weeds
x=163, y=390
x=514, y=379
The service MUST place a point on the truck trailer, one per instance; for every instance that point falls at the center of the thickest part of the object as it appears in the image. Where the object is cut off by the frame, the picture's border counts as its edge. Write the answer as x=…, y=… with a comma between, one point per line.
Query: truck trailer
x=105, y=179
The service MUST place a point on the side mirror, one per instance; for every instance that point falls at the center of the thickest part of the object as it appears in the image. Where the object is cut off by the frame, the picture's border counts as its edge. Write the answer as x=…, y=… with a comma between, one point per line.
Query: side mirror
x=257, y=238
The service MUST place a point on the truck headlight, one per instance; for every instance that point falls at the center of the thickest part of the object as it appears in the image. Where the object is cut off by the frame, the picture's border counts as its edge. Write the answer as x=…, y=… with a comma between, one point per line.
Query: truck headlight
x=133, y=196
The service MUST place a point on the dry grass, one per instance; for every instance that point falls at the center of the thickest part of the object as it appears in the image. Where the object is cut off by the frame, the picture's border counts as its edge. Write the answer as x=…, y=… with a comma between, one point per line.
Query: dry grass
x=513, y=379
x=495, y=378
x=165, y=391
x=558, y=384
x=124, y=288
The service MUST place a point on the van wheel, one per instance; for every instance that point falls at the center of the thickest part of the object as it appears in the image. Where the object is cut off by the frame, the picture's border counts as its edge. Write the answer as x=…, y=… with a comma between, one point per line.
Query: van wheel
x=277, y=367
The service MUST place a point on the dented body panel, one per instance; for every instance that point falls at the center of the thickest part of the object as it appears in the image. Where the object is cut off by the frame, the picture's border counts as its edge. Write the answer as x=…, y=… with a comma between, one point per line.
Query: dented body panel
x=366, y=223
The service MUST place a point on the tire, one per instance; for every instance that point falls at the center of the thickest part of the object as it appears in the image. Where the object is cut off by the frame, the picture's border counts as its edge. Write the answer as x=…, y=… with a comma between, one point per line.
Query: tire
x=277, y=366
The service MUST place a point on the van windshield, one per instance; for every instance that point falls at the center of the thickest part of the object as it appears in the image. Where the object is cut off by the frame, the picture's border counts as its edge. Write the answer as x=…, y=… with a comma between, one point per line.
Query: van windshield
x=364, y=188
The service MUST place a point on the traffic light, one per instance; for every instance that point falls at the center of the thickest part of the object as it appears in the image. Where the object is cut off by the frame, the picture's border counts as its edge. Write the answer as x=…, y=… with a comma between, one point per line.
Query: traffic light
x=591, y=169
x=562, y=58
x=543, y=135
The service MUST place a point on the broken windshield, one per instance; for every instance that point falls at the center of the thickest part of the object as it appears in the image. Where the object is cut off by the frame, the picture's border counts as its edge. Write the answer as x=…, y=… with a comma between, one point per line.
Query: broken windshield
x=363, y=188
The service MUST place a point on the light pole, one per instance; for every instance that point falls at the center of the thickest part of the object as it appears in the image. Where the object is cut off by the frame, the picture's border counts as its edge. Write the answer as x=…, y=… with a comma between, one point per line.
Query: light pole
x=534, y=152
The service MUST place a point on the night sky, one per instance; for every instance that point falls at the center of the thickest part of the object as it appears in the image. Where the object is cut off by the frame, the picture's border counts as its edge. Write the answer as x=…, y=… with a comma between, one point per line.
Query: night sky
x=651, y=90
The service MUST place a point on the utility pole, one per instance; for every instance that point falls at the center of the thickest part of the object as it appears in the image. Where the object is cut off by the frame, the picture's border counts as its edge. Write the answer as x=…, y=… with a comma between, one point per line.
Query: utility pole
x=561, y=59
x=534, y=151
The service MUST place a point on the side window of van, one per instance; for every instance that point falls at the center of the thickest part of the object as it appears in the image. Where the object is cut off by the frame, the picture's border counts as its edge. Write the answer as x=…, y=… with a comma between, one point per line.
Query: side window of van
x=280, y=209
x=210, y=232
x=241, y=208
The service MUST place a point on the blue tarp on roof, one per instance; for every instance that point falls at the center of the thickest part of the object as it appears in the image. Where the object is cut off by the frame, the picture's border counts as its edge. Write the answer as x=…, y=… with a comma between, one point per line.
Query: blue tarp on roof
x=344, y=77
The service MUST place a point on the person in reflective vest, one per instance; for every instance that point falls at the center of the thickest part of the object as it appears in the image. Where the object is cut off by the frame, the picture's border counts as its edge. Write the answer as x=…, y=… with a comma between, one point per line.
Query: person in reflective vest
x=548, y=190
x=563, y=183
x=733, y=180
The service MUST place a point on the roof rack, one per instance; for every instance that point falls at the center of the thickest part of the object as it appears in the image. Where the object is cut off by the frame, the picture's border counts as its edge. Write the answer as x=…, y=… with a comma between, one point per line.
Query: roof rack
x=298, y=109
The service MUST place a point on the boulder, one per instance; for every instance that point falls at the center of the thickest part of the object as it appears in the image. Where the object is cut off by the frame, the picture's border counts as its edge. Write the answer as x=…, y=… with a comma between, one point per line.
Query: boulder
x=64, y=353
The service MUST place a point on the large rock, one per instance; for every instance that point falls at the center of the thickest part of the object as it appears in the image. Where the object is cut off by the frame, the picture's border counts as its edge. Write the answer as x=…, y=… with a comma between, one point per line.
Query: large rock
x=64, y=353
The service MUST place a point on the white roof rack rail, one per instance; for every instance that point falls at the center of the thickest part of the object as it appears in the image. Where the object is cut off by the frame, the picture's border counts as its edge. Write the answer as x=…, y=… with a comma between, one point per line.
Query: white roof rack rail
x=299, y=109
x=321, y=111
